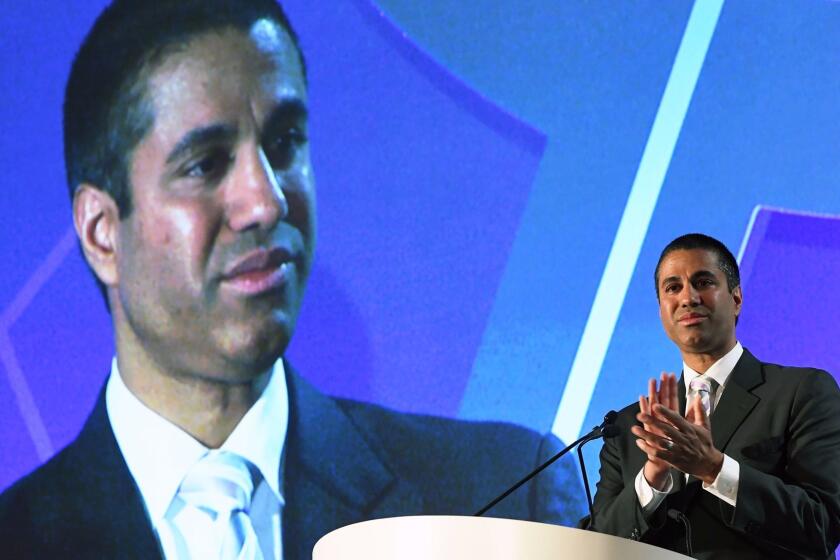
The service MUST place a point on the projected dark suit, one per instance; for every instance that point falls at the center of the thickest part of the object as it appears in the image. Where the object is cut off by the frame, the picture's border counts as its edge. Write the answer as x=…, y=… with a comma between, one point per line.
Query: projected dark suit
x=782, y=425
x=345, y=462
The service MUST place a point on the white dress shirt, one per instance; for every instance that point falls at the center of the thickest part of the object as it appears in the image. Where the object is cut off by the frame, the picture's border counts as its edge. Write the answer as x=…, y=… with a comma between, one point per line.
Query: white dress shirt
x=159, y=454
x=725, y=485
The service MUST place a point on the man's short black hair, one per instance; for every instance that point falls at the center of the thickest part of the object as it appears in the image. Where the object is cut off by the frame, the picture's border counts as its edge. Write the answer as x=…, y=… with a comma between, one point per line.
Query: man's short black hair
x=106, y=110
x=726, y=260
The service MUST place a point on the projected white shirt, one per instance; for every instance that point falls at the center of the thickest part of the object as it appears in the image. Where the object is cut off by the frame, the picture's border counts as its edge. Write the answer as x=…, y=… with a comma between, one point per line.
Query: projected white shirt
x=159, y=454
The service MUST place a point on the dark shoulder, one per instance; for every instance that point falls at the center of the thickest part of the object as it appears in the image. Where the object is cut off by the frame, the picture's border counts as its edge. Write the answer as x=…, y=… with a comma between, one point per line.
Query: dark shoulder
x=443, y=433
x=52, y=478
x=36, y=502
x=797, y=382
x=458, y=466
x=422, y=445
x=795, y=374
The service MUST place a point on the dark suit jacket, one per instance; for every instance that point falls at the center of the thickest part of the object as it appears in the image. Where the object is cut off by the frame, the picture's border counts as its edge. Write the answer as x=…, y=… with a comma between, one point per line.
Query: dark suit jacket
x=345, y=462
x=782, y=425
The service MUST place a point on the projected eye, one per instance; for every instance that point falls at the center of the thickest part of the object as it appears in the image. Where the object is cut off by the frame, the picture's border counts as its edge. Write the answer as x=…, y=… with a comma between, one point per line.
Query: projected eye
x=210, y=166
x=281, y=150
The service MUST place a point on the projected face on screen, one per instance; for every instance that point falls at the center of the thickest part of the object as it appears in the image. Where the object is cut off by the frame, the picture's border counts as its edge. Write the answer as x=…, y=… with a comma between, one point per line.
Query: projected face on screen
x=210, y=264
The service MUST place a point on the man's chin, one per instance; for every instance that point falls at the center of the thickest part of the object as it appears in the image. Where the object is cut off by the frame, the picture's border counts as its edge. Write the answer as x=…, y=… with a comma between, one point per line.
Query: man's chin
x=697, y=345
x=255, y=344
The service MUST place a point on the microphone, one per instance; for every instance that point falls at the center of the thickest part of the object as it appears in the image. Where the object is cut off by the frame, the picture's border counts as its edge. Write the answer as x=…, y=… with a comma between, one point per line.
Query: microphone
x=594, y=433
x=607, y=429
x=610, y=431
x=677, y=515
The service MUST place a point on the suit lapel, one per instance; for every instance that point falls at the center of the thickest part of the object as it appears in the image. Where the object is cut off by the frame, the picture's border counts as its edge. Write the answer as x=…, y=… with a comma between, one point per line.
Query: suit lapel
x=682, y=394
x=334, y=475
x=734, y=406
x=106, y=504
x=737, y=401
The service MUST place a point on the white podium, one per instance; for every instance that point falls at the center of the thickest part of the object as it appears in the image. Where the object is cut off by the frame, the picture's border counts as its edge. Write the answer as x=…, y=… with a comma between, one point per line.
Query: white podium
x=480, y=538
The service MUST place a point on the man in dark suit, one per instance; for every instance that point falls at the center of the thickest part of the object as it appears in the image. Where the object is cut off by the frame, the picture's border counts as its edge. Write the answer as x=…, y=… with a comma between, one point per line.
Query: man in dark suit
x=346, y=462
x=193, y=198
x=747, y=452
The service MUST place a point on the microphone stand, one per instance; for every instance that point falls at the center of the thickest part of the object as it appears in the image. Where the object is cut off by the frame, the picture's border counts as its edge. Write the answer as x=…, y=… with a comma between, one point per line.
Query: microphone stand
x=585, y=478
x=607, y=430
x=680, y=516
x=596, y=432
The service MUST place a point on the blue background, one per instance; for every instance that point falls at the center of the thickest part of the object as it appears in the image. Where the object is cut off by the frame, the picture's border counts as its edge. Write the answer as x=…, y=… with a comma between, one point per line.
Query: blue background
x=474, y=162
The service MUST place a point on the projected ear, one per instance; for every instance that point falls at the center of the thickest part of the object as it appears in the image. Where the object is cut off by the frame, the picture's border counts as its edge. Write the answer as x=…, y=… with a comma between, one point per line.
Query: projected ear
x=96, y=217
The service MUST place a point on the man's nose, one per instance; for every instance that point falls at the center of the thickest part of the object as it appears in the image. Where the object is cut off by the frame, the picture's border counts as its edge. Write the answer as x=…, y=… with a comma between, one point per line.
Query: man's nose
x=254, y=198
x=690, y=296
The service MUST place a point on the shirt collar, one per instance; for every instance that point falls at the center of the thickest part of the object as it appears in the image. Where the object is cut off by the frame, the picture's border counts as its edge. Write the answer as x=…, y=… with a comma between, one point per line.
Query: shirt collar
x=720, y=370
x=260, y=435
x=159, y=454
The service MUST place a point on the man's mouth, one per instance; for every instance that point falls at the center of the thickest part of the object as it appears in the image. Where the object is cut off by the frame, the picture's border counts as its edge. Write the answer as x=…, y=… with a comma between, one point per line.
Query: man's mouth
x=259, y=271
x=692, y=319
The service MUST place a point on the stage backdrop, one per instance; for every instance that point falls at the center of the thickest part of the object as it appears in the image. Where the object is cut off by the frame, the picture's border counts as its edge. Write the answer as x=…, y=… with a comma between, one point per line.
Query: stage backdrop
x=496, y=180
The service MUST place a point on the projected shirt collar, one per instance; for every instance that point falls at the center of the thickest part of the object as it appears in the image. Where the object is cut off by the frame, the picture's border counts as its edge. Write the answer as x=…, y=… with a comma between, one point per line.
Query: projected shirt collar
x=159, y=453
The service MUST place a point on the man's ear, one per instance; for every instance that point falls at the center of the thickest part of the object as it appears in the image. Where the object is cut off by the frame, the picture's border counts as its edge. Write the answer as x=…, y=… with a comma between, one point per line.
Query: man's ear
x=96, y=218
x=737, y=296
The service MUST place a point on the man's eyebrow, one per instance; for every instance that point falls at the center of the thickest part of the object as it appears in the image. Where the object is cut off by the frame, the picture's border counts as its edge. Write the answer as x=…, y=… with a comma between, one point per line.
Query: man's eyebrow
x=214, y=133
x=669, y=279
x=703, y=274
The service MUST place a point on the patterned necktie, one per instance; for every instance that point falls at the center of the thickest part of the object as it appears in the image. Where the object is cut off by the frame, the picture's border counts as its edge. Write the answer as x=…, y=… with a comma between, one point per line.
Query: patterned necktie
x=220, y=486
x=704, y=387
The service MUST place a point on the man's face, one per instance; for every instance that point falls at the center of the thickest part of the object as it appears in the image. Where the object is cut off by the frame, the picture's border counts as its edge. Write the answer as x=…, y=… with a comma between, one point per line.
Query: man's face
x=213, y=260
x=696, y=307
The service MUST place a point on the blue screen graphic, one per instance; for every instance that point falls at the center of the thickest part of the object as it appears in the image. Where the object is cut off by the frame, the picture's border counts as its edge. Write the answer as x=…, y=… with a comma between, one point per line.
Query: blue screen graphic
x=494, y=188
